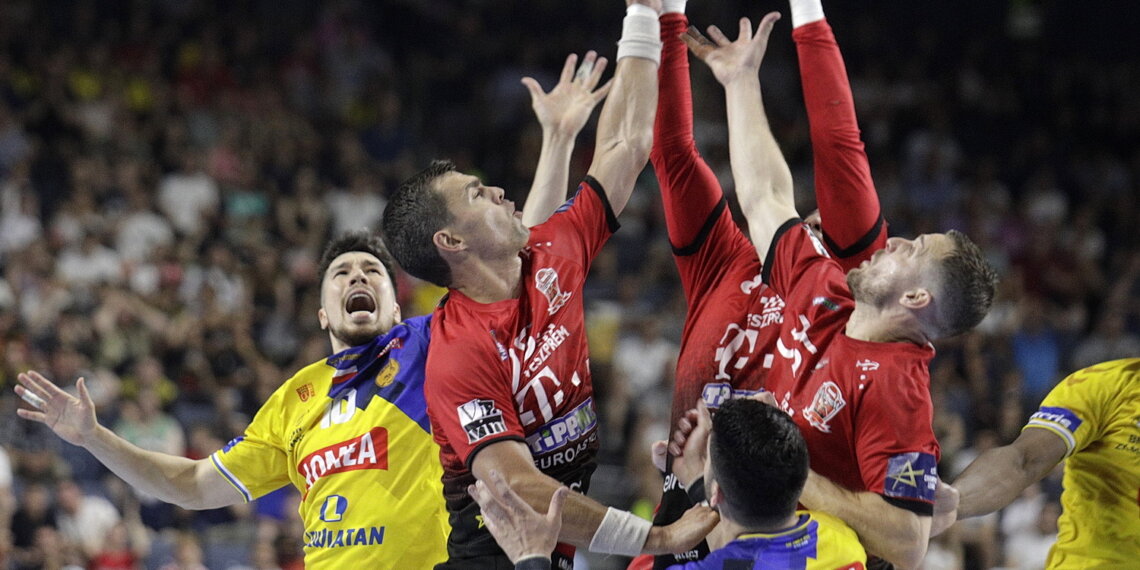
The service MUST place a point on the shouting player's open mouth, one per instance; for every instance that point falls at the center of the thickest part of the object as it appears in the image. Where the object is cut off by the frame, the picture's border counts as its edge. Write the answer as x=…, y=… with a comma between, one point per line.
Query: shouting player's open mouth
x=360, y=305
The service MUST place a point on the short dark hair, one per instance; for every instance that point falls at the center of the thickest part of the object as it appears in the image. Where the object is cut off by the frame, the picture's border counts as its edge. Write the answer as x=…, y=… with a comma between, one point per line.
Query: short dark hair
x=414, y=213
x=359, y=240
x=968, y=285
x=760, y=460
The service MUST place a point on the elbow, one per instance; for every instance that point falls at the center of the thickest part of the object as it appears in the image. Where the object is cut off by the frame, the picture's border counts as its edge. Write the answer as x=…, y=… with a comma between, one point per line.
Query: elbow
x=837, y=138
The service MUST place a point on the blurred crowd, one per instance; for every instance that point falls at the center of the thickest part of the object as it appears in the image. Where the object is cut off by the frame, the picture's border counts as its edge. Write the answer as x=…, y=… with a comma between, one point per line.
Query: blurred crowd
x=169, y=171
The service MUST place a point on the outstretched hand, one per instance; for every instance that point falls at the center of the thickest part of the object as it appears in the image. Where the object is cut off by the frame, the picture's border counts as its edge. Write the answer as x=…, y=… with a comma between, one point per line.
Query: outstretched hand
x=732, y=60
x=71, y=418
x=567, y=107
x=520, y=531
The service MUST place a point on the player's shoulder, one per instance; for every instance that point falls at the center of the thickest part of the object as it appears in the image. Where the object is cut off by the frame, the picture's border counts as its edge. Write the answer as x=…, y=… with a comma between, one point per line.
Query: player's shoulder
x=838, y=542
x=1103, y=381
x=1123, y=373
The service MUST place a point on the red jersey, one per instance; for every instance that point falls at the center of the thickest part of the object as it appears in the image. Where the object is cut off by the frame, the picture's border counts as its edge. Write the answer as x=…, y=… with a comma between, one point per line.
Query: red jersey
x=519, y=369
x=729, y=338
x=863, y=407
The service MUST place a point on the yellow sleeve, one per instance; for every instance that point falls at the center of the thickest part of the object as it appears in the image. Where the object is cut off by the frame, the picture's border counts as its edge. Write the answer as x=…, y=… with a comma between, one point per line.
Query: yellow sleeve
x=1075, y=410
x=255, y=463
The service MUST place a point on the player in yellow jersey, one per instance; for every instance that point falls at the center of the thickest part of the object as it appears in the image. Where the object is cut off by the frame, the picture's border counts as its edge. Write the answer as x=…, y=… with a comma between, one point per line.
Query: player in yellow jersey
x=1092, y=419
x=752, y=460
x=350, y=432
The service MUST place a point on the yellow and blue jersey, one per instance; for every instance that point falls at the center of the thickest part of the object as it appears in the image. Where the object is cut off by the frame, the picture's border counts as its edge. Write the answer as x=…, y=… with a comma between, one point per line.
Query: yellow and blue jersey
x=351, y=433
x=817, y=541
x=1096, y=411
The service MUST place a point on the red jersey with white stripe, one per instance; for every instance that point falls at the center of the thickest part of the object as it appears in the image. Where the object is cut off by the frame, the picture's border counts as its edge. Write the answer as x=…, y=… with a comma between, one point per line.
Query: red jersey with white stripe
x=863, y=407
x=519, y=369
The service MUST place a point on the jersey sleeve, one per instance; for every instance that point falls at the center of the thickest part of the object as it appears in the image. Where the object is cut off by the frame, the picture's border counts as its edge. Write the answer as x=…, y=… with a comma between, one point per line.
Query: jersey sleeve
x=579, y=228
x=895, y=444
x=853, y=225
x=255, y=463
x=797, y=256
x=1074, y=409
x=469, y=397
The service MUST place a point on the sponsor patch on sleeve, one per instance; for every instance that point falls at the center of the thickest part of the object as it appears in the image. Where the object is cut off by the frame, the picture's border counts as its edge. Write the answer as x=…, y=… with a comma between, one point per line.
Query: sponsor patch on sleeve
x=1060, y=421
x=480, y=419
x=912, y=475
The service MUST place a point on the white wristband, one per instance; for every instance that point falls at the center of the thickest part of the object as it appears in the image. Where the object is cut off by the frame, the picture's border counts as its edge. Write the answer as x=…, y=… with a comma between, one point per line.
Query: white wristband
x=621, y=532
x=640, y=34
x=673, y=6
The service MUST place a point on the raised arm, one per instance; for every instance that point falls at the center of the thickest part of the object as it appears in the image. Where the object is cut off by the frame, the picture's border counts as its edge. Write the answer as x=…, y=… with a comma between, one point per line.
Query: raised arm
x=853, y=227
x=188, y=483
x=582, y=516
x=889, y=532
x=563, y=113
x=625, y=128
x=763, y=180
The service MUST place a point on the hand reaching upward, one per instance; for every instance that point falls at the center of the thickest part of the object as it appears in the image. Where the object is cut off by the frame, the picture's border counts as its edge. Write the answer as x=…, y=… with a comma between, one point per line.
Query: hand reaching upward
x=567, y=106
x=732, y=60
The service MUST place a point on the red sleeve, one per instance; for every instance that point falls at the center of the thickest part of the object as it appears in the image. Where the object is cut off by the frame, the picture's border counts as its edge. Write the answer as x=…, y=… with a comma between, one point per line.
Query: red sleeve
x=797, y=256
x=579, y=228
x=853, y=226
x=690, y=191
x=895, y=443
x=468, y=392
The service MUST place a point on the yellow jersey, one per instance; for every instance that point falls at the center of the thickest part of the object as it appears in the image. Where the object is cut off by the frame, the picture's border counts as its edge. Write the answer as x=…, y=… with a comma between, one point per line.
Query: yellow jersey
x=818, y=541
x=1096, y=411
x=351, y=433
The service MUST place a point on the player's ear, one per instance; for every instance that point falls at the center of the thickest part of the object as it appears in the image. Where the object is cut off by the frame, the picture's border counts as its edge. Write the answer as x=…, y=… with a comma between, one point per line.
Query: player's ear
x=396, y=312
x=714, y=494
x=917, y=298
x=323, y=318
x=445, y=240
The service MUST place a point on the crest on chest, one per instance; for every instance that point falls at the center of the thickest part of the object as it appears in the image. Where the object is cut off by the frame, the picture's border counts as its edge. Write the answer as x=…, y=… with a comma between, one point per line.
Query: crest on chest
x=825, y=405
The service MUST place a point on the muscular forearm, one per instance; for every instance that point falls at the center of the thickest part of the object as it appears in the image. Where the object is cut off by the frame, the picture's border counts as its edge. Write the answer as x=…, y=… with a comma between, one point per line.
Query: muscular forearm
x=895, y=534
x=625, y=129
x=581, y=515
x=170, y=478
x=550, y=177
x=999, y=475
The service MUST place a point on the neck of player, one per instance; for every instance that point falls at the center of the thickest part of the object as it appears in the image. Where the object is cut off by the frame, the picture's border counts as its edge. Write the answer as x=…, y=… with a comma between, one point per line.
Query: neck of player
x=488, y=281
x=874, y=324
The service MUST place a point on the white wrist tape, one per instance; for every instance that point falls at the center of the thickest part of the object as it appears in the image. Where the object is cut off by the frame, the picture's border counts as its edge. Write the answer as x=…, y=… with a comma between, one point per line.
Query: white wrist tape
x=673, y=6
x=621, y=532
x=640, y=34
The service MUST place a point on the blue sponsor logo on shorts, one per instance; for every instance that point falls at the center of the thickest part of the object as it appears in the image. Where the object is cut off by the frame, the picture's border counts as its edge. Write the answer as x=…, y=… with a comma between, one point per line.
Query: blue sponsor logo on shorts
x=912, y=475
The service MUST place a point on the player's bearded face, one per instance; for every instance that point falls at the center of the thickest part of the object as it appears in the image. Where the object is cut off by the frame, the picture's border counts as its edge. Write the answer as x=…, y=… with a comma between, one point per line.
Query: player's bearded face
x=358, y=302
